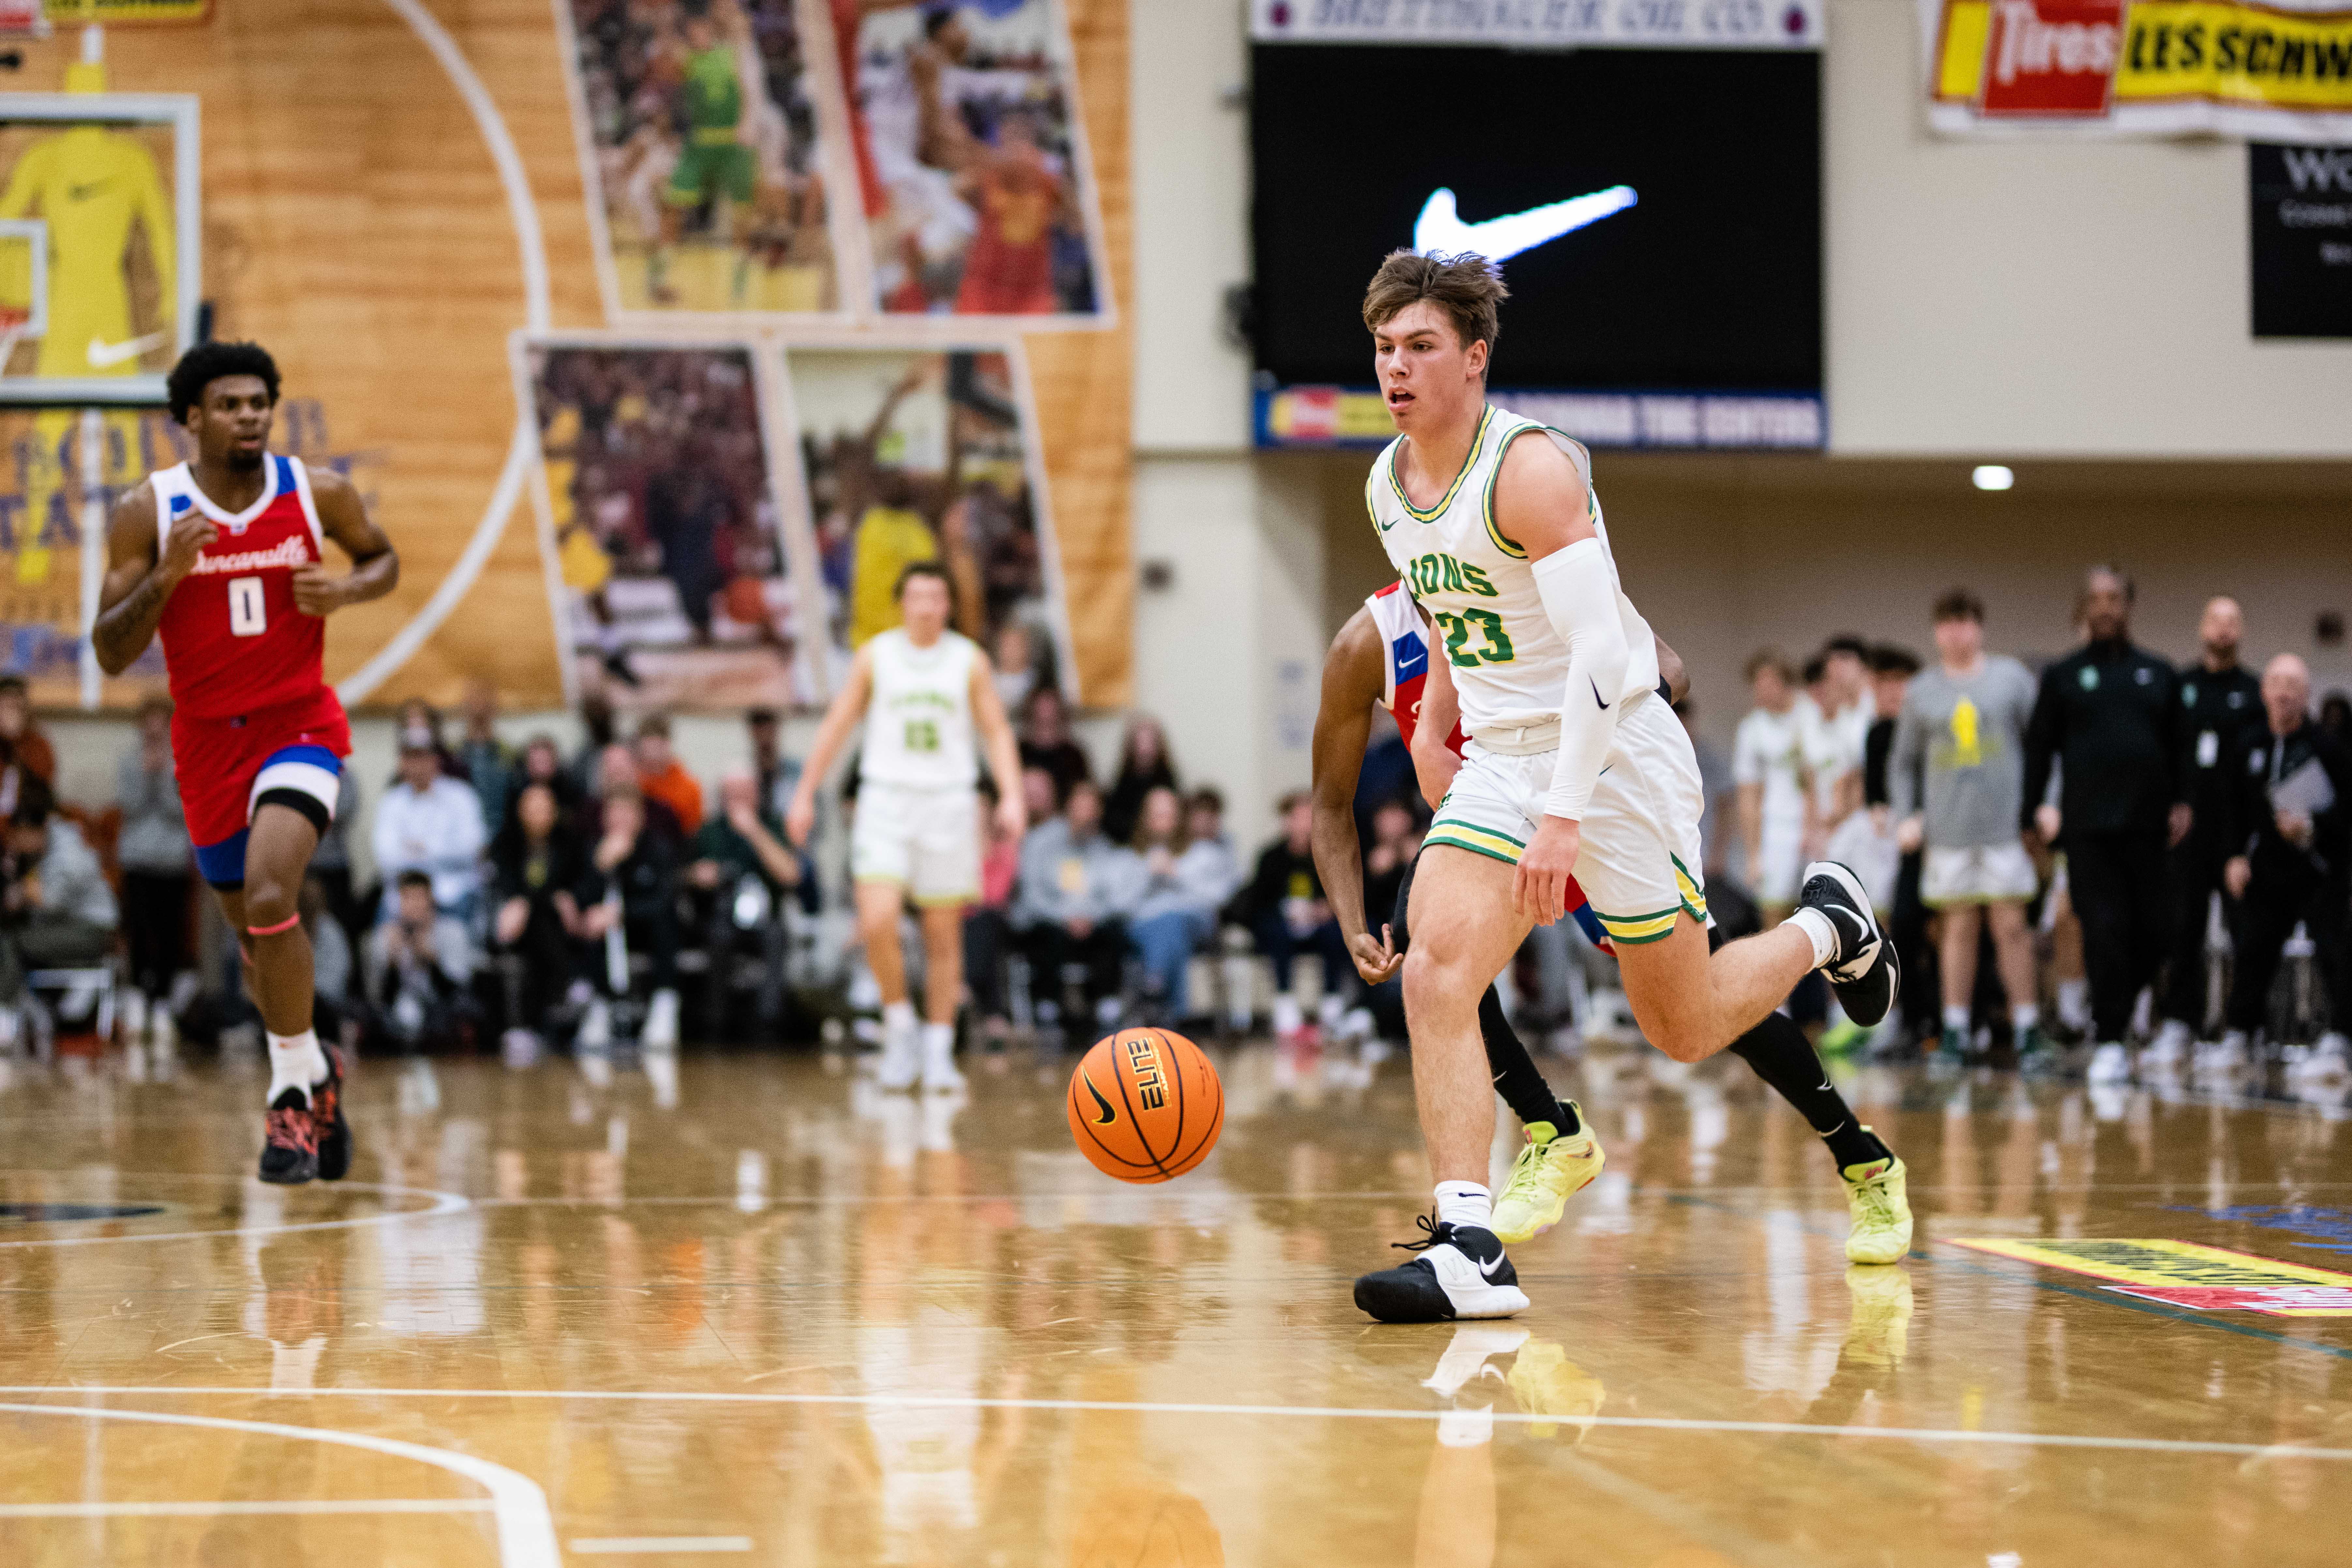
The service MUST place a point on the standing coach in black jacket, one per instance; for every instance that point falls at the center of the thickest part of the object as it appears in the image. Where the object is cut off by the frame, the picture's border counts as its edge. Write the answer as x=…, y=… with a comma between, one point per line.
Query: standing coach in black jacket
x=2220, y=711
x=2110, y=714
x=2288, y=824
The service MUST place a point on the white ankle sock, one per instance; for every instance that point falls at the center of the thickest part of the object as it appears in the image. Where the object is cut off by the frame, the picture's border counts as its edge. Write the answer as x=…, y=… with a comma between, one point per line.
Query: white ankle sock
x=1466, y=1203
x=2024, y=1015
x=898, y=1018
x=1816, y=925
x=295, y=1062
x=1956, y=1020
x=938, y=1041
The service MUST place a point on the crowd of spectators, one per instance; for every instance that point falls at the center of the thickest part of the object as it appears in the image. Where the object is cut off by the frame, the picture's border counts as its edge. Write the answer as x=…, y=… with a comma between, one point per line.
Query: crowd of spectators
x=2116, y=850
x=2133, y=842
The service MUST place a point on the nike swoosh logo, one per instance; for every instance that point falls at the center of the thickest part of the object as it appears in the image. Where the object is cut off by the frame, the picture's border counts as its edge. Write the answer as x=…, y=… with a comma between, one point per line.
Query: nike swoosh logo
x=103, y=354
x=1440, y=227
x=1596, y=692
x=1108, y=1114
x=1488, y=1269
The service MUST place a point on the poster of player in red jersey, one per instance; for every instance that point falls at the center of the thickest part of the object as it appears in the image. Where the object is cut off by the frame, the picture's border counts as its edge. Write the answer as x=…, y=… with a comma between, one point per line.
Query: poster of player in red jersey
x=971, y=158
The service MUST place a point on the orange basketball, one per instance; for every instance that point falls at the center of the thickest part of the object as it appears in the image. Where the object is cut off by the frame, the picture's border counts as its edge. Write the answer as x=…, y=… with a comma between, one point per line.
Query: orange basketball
x=1145, y=1105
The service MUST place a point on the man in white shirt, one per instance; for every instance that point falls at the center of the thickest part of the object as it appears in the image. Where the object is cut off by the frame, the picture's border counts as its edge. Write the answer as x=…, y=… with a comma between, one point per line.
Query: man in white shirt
x=1767, y=767
x=1833, y=726
x=431, y=823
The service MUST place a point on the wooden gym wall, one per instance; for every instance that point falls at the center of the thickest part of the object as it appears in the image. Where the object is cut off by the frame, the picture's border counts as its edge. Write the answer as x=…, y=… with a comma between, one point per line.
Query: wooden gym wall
x=356, y=223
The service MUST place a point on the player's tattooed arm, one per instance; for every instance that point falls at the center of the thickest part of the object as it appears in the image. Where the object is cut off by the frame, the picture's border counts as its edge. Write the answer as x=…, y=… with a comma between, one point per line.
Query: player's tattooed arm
x=376, y=565
x=140, y=579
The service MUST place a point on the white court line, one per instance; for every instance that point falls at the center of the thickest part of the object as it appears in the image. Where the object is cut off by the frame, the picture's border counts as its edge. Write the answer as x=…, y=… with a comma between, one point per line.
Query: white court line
x=208, y=1510
x=443, y=1203
x=526, y=1531
x=524, y=444
x=1151, y=1407
x=616, y=1544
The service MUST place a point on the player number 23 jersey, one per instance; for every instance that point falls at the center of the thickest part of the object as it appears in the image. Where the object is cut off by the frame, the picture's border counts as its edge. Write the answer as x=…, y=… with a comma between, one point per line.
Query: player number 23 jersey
x=919, y=718
x=1510, y=666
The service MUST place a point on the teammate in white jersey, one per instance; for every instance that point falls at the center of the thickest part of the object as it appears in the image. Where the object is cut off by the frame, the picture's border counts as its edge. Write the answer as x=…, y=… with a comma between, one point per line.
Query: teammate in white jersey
x=926, y=694
x=1576, y=768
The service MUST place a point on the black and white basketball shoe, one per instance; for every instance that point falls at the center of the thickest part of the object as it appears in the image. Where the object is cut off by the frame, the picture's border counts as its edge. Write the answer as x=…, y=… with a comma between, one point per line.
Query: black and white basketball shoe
x=1462, y=1272
x=1862, y=970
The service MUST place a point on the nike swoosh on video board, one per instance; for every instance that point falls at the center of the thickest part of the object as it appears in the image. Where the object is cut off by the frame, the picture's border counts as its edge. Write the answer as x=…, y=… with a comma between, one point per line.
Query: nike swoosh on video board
x=1440, y=226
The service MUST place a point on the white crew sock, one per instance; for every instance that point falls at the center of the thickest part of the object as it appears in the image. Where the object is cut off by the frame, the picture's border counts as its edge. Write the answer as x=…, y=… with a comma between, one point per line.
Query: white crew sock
x=938, y=1042
x=2024, y=1015
x=897, y=1019
x=1816, y=925
x=1466, y=1203
x=2075, y=1002
x=296, y=1062
x=1956, y=1020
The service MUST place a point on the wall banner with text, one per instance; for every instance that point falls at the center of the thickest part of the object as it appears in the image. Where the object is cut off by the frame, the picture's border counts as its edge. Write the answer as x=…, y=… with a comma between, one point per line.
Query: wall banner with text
x=1544, y=23
x=2280, y=71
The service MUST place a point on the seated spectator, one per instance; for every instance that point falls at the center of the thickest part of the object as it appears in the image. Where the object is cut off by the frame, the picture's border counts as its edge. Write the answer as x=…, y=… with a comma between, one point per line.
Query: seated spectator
x=489, y=763
x=63, y=912
x=1143, y=766
x=420, y=963
x=536, y=868
x=430, y=823
x=598, y=731
x=1045, y=741
x=628, y=901
x=152, y=850
x=539, y=763
x=988, y=936
x=1076, y=887
x=1284, y=906
x=743, y=870
x=663, y=778
x=25, y=740
x=777, y=774
x=616, y=766
x=417, y=715
x=1182, y=886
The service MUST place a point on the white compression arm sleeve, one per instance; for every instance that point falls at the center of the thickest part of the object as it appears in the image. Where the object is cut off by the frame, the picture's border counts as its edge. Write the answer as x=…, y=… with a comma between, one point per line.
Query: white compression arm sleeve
x=1580, y=597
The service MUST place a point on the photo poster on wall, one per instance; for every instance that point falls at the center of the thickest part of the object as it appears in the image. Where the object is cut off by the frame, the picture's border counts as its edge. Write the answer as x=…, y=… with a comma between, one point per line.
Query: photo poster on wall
x=971, y=161
x=910, y=452
x=838, y=159
x=673, y=575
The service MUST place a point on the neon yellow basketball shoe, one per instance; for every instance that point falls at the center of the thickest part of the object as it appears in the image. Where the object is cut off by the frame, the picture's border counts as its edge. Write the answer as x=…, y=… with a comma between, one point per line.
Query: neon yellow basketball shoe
x=1882, y=1213
x=1549, y=1172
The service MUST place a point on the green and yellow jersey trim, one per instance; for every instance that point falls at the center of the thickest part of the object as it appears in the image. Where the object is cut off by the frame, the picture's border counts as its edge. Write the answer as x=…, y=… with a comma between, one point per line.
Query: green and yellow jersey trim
x=1478, y=445
x=1633, y=931
x=1478, y=840
x=1503, y=542
x=1689, y=889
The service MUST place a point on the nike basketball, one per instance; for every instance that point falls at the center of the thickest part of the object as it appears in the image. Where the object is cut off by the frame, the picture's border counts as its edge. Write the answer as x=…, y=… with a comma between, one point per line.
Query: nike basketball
x=1145, y=1105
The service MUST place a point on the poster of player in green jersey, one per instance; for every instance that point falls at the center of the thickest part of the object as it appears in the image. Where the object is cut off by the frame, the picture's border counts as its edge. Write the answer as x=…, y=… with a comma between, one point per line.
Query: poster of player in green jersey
x=700, y=149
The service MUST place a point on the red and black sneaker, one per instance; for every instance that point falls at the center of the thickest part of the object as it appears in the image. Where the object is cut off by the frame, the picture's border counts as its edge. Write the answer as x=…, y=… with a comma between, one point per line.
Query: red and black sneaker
x=334, y=1133
x=289, y=1150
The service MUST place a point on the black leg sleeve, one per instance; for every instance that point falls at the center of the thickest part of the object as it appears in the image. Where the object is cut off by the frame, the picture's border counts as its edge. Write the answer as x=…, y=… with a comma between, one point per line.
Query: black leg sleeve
x=1517, y=1080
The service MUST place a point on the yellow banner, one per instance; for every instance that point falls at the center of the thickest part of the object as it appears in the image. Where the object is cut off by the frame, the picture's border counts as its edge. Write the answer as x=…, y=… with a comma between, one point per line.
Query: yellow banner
x=2218, y=54
x=2233, y=53
x=120, y=13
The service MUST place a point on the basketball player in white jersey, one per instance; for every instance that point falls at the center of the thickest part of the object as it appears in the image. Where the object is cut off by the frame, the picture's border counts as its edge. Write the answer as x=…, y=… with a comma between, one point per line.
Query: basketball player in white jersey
x=1575, y=769
x=923, y=691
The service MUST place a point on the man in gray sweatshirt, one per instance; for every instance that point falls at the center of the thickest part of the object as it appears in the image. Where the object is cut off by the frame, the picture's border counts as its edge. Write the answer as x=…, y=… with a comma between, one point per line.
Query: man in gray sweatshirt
x=1077, y=888
x=1963, y=731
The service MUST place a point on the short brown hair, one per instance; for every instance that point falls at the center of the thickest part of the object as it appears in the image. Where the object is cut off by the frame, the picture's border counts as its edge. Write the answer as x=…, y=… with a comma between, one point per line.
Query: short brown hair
x=1468, y=288
x=914, y=569
x=1770, y=658
x=1959, y=604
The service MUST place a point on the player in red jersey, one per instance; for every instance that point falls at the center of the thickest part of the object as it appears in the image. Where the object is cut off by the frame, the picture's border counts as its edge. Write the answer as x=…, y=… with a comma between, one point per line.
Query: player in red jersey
x=223, y=556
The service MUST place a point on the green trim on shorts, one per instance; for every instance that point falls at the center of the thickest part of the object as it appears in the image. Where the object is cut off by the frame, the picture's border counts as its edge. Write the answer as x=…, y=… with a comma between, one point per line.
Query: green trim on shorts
x=1638, y=929
x=1691, y=890
x=1478, y=840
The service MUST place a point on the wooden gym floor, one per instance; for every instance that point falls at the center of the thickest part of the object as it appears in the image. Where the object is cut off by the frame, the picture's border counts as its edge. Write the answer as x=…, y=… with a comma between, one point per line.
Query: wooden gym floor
x=756, y=1312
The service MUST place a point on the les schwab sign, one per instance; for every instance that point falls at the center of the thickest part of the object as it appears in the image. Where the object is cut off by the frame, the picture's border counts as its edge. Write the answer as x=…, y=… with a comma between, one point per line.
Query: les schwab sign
x=2151, y=67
